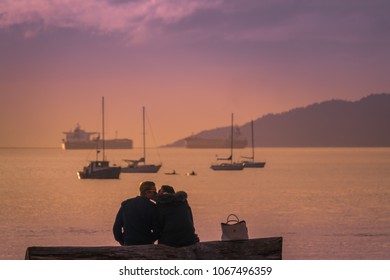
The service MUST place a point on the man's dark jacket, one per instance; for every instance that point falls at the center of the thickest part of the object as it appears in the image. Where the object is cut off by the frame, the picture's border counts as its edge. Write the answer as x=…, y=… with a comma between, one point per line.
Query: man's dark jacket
x=135, y=223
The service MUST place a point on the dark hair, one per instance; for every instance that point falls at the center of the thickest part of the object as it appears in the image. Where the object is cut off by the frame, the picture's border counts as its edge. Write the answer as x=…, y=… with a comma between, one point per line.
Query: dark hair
x=147, y=186
x=167, y=189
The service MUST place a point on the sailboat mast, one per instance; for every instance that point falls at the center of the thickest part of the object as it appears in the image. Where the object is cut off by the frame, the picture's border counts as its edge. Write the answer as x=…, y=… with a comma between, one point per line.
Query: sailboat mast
x=143, y=133
x=103, y=126
x=253, y=142
x=231, y=142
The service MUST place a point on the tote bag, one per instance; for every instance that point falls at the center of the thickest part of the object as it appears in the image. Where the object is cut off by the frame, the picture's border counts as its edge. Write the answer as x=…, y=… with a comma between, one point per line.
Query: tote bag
x=234, y=229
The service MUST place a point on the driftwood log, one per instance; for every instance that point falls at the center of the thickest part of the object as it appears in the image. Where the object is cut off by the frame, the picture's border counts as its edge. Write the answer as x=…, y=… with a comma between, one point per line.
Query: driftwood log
x=252, y=249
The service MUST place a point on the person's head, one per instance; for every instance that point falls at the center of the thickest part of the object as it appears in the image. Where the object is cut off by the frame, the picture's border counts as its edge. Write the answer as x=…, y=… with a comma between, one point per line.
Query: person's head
x=148, y=189
x=166, y=189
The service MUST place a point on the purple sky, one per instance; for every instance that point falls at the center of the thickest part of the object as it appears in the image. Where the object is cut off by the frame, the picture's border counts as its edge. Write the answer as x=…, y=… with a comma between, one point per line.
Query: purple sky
x=191, y=63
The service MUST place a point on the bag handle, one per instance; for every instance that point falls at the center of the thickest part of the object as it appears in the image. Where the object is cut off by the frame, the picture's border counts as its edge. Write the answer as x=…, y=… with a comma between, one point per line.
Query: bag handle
x=234, y=219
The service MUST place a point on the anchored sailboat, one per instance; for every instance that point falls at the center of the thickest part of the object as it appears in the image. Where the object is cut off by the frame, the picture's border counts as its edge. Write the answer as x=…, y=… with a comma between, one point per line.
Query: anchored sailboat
x=251, y=163
x=100, y=169
x=226, y=165
x=134, y=166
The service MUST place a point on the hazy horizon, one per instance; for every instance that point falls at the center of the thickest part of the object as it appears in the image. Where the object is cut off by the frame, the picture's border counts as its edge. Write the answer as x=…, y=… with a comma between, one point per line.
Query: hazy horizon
x=189, y=63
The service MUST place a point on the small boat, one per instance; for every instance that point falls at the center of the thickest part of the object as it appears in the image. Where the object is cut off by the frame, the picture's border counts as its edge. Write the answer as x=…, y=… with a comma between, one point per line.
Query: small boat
x=100, y=169
x=192, y=173
x=172, y=173
x=134, y=166
x=232, y=165
x=251, y=163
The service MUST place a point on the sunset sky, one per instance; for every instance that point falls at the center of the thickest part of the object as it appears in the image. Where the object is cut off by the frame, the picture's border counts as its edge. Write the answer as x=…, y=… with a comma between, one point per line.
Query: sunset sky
x=190, y=62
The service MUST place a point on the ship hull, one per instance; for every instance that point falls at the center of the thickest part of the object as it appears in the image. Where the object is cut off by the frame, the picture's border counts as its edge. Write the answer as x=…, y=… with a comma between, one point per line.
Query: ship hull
x=91, y=145
x=200, y=143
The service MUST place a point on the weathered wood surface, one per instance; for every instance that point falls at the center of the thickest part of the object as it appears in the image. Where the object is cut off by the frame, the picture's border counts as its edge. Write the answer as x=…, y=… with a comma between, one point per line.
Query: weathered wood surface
x=252, y=249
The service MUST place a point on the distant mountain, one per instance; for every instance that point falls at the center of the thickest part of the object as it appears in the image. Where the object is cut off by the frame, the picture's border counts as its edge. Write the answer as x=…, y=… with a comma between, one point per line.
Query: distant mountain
x=334, y=123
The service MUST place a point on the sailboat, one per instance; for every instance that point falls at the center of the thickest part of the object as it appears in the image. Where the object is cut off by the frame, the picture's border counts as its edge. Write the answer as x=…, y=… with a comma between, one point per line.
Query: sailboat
x=251, y=163
x=100, y=169
x=140, y=166
x=228, y=165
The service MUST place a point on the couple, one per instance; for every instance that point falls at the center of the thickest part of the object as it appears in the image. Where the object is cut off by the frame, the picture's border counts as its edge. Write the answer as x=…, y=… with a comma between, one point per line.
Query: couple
x=166, y=217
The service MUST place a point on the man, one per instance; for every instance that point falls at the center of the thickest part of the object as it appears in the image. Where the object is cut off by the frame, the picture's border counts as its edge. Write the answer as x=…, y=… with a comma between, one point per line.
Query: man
x=135, y=223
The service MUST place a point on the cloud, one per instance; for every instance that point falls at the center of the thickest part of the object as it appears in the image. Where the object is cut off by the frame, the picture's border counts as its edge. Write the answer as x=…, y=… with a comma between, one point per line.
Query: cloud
x=139, y=21
x=135, y=18
x=339, y=21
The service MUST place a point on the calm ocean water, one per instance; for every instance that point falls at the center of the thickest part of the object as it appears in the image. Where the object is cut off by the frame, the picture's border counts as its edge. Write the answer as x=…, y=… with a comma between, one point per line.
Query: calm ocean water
x=327, y=203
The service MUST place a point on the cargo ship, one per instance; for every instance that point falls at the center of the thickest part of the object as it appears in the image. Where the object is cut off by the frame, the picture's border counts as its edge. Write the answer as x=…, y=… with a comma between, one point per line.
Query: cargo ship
x=79, y=139
x=196, y=142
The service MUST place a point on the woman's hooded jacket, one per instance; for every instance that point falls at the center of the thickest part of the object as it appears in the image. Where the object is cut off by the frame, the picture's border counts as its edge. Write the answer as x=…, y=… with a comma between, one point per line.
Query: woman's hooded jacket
x=174, y=216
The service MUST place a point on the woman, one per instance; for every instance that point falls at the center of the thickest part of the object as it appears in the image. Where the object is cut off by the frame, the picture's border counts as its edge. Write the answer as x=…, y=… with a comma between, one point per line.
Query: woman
x=176, y=225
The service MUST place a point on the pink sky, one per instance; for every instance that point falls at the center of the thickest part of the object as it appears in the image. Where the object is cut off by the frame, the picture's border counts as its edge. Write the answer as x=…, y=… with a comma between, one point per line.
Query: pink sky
x=191, y=63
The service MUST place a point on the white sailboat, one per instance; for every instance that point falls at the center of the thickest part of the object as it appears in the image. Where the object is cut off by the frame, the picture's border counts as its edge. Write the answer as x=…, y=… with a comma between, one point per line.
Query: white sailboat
x=228, y=165
x=251, y=163
x=100, y=169
x=140, y=165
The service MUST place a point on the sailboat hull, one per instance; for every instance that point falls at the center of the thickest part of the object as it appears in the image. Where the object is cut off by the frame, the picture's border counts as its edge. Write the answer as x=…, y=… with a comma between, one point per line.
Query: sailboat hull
x=227, y=166
x=147, y=168
x=251, y=164
x=111, y=172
